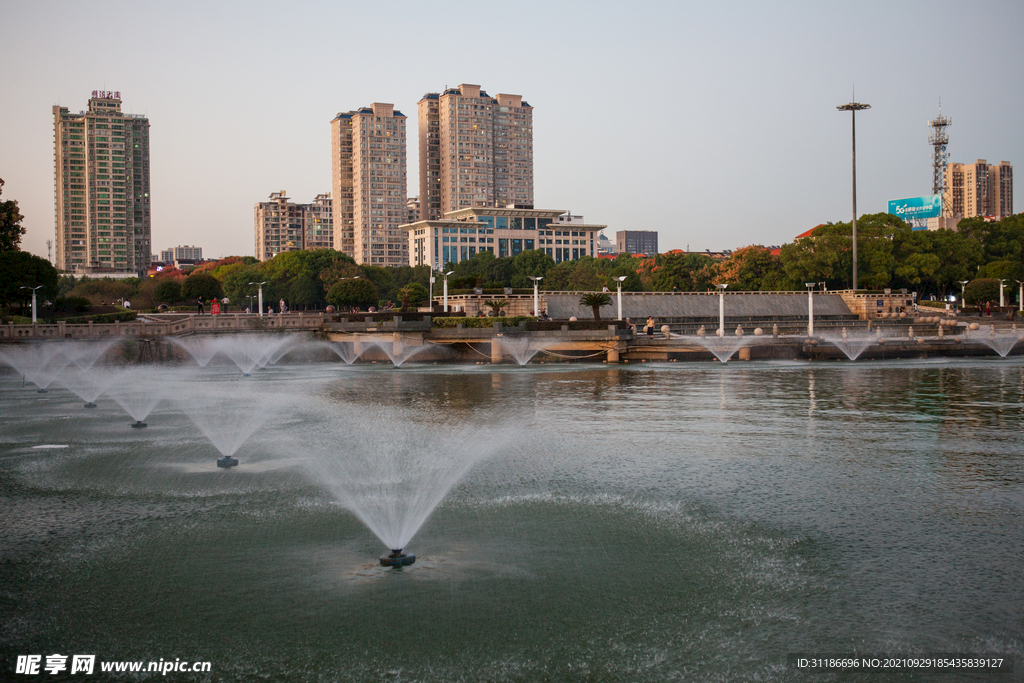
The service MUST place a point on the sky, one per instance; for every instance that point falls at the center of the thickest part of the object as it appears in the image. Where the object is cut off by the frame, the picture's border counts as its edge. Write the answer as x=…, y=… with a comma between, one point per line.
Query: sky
x=713, y=123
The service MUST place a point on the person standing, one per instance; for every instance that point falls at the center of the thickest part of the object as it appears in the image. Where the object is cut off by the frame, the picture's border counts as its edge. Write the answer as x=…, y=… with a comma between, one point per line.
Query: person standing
x=280, y=306
x=649, y=327
x=988, y=309
x=199, y=306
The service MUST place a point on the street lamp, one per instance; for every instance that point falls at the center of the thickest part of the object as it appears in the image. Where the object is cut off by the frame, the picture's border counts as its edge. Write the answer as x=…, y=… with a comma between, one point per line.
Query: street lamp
x=721, y=309
x=1001, y=285
x=34, y=289
x=536, y=295
x=963, y=283
x=261, y=294
x=446, y=289
x=1020, y=296
x=618, y=281
x=810, y=308
x=431, y=297
x=853, y=108
x=250, y=301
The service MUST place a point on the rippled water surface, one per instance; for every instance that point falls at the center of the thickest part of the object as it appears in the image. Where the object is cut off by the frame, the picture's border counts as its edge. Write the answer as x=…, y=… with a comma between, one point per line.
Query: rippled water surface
x=634, y=523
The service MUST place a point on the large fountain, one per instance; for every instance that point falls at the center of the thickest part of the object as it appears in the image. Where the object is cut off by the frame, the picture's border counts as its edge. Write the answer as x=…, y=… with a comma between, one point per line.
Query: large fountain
x=853, y=345
x=396, y=468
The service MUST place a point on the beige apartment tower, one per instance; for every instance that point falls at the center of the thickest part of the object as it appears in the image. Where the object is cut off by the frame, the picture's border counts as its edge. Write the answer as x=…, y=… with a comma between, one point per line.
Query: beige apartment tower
x=980, y=189
x=281, y=225
x=368, y=157
x=475, y=150
x=101, y=189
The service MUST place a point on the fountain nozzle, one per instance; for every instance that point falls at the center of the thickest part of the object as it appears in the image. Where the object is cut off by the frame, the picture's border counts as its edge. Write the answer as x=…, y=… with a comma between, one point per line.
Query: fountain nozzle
x=397, y=559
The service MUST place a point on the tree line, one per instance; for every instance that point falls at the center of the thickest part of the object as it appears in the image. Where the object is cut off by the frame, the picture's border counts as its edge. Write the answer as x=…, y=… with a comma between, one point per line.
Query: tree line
x=890, y=254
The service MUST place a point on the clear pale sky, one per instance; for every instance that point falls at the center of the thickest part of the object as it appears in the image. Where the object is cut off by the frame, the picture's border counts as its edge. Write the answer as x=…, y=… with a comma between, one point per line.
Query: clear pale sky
x=713, y=123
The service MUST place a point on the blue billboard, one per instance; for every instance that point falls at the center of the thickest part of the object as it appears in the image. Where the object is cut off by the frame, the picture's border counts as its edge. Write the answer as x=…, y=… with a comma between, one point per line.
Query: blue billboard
x=916, y=207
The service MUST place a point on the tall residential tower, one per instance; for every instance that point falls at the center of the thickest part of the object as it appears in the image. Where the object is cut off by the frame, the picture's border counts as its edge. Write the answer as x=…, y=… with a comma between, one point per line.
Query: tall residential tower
x=369, y=185
x=475, y=150
x=980, y=189
x=101, y=188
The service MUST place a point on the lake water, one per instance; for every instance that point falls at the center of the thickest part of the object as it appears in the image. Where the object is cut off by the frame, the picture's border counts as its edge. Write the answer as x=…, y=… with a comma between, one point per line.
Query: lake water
x=661, y=522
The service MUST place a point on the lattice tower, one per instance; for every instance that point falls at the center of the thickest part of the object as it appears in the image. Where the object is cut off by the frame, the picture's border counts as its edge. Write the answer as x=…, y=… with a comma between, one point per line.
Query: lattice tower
x=939, y=140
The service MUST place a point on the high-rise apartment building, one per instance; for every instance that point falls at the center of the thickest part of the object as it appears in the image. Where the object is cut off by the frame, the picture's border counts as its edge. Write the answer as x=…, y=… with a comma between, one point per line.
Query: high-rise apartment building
x=980, y=189
x=101, y=188
x=637, y=242
x=318, y=223
x=278, y=226
x=475, y=150
x=368, y=157
x=281, y=225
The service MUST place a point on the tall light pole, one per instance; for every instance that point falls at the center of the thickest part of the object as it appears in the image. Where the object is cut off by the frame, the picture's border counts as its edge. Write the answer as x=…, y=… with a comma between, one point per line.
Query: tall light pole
x=1002, y=283
x=1020, y=296
x=853, y=108
x=261, y=294
x=536, y=294
x=446, y=289
x=963, y=283
x=721, y=308
x=431, y=297
x=34, y=290
x=618, y=281
x=810, y=308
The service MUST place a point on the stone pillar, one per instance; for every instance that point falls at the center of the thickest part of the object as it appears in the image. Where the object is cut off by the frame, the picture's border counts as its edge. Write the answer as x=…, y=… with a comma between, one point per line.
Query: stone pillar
x=745, y=353
x=613, y=354
x=496, y=348
x=397, y=346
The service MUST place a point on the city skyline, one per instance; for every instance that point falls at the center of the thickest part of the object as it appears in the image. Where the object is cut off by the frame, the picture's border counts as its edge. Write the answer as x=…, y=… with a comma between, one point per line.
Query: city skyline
x=677, y=119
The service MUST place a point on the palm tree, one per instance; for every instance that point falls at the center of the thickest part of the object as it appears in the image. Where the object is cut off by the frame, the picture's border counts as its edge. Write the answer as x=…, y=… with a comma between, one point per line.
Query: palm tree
x=496, y=305
x=596, y=300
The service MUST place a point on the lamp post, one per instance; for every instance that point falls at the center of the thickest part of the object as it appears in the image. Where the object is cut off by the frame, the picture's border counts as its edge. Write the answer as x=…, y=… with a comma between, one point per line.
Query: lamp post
x=261, y=294
x=1002, y=284
x=618, y=281
x=431, y=297
x=853, y=108
x=721, y=308
x=250, y=301
x=536, y=294
x=446, y=289
x=810, y=308
x=1020, y=295
x=34, y=290
x=963, y=283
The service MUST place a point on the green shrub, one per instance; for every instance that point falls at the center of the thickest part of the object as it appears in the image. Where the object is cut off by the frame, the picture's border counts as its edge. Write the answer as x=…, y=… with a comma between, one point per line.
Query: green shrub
x=981, y=290
x=507, y=321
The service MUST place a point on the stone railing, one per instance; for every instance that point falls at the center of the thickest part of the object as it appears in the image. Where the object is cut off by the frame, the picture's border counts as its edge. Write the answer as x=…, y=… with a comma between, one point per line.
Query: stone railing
x=165, y=325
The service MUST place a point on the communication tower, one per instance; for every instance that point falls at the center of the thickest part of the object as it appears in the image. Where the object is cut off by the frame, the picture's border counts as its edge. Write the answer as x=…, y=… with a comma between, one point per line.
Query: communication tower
x=939, y=139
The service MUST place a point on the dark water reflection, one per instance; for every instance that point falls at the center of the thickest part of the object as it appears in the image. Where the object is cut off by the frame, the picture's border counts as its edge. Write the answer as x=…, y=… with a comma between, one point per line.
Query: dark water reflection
x=655, y=522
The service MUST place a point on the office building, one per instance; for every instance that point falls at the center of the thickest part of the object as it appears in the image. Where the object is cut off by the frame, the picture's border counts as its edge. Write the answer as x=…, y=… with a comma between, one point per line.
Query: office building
x=980, y=189
x=504, y=232
x=101, y=189
x=637, y=242
x=475, y=150
x=368, y=156
x=181, y=253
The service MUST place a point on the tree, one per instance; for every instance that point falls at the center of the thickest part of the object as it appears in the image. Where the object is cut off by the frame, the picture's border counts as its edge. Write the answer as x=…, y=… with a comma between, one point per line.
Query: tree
x=414, y=293
x=981, y=290
x=305, y=291
x=11, y=228
x=347, y=293
x=21, y=269
x=496, y=305
x=168, y=291
x=596, y=300
x=201, y=285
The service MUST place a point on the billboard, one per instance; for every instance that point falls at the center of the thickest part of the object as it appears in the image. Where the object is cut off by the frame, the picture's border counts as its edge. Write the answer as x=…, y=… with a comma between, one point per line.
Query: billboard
x=916, y=207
